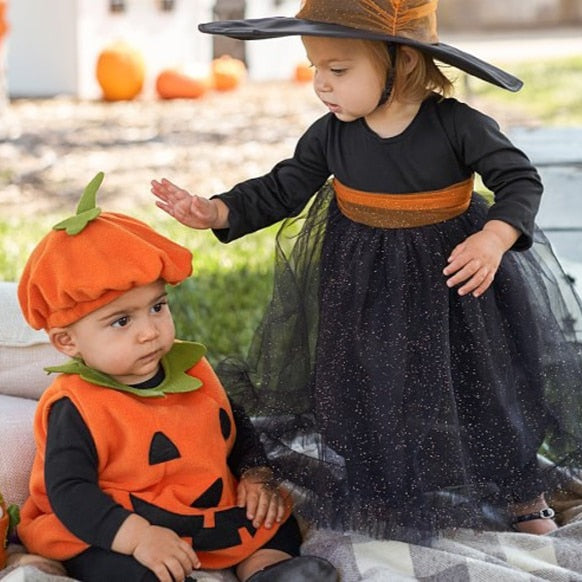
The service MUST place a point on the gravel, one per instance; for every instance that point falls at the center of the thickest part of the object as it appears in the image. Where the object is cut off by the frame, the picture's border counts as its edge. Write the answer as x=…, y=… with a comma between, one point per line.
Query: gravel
x=51, y=148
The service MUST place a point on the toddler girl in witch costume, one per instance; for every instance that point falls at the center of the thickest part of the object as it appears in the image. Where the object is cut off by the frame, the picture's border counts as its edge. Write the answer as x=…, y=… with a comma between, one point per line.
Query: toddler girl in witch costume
x=418, y=351
x=144, y=470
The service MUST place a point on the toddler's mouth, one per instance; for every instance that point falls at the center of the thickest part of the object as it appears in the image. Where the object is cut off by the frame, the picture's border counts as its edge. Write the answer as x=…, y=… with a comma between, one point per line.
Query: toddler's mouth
x=333, y=107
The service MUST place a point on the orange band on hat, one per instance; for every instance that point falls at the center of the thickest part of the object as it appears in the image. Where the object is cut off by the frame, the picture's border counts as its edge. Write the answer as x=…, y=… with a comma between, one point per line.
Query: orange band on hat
x=414, y=19
x=403, y=210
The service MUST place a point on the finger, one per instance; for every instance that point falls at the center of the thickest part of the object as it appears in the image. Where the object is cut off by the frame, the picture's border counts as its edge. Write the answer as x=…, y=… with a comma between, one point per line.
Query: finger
x=464, y=274
x=484, y=285
x=158, y=191
x=241, y=496
x=273, y=510
x=474, y=282
x=252, y=505
x=281, y=508
x=457, y=263
x=456, y=251
x=165, y=207
x=166, y=190
x=177, y=570
x=170, y=186
x=262, y=508
x=161, y=573
x=192, y=557
x=163, y=185
x=188, y=558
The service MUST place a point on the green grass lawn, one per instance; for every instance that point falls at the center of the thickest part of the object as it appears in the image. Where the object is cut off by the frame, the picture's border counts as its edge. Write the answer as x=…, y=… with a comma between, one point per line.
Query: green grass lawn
x=552, y=91
x=222, y=303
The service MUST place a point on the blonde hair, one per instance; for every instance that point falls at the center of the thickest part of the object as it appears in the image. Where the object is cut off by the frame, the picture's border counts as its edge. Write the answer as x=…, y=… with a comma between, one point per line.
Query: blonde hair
x=424, y=78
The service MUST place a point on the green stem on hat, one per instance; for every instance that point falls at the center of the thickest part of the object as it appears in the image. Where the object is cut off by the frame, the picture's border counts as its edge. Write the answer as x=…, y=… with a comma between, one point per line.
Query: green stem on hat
x=86, y=209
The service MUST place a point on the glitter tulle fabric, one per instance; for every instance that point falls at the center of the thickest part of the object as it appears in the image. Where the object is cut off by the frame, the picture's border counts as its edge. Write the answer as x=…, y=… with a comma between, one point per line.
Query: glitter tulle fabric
x=391, y=405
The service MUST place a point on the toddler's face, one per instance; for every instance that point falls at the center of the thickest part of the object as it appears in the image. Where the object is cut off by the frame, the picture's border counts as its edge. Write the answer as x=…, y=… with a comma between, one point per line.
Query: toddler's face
x=127, y=338
x=346, y=79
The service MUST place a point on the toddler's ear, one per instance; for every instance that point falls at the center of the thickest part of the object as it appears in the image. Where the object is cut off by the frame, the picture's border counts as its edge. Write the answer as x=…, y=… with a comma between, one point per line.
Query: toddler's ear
x=63, y=340
x=410, y=57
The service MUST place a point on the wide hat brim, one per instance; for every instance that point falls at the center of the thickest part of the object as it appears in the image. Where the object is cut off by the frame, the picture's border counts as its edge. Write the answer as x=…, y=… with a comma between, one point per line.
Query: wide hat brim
x=281, y=26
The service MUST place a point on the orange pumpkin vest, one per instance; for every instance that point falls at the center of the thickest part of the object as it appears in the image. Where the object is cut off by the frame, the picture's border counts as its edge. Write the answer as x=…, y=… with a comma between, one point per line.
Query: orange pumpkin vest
x=124, y=427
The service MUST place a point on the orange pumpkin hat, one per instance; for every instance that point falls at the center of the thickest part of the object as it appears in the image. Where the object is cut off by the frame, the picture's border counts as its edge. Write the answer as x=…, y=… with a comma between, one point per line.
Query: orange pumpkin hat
x=90, y=259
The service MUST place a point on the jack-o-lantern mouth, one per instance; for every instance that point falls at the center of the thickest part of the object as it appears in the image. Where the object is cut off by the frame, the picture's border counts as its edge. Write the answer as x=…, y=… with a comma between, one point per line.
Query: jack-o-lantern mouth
x=223, y=534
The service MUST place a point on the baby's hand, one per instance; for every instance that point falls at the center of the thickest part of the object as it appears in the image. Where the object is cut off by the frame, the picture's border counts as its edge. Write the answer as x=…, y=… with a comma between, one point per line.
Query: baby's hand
x=168, y=556
x=192, y=211
x=474, y=262
x=258, y=491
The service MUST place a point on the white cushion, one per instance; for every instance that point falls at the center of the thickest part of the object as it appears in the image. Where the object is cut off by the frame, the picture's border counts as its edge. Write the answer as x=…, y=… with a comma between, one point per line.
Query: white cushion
x=16, y=447
x=24, y=352
x=15, y=331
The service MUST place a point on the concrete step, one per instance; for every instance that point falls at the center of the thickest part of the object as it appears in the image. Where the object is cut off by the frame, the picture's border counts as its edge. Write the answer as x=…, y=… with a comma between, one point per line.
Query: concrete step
x=557, y=153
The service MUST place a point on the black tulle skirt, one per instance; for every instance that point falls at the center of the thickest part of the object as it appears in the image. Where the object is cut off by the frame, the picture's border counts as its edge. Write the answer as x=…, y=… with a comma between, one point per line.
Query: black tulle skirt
x=394, y=407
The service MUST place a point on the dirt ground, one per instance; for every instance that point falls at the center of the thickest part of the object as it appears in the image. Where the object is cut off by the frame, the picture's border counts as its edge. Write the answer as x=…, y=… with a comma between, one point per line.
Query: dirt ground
x=50, y=149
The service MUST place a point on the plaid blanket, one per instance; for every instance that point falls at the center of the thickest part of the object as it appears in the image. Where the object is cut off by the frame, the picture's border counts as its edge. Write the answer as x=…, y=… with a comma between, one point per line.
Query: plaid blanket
x=460, y=556
x=464, y=556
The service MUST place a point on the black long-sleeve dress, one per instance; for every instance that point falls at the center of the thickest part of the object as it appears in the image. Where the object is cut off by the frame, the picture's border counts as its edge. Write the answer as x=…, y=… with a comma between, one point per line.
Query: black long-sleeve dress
x=394, y=405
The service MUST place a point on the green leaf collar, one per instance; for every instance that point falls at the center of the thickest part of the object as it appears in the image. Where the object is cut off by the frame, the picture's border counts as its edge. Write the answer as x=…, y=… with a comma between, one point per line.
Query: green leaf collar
x=176, y=363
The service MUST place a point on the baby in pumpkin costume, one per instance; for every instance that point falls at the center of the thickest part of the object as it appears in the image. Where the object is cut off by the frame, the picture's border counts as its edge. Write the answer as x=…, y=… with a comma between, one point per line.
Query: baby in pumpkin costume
x=144, y=468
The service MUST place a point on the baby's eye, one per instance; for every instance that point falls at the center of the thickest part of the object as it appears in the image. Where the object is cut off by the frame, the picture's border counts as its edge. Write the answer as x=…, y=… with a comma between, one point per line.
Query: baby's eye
x=121, y=322
x=337, y=71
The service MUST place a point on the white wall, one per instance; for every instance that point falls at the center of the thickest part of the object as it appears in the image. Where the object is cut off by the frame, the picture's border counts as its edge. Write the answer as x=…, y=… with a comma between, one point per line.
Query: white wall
x=273, y=58
x=41, y=56
x=53, y=44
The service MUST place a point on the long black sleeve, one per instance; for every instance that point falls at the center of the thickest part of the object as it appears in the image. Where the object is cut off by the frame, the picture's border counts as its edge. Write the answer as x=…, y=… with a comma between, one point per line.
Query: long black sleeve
x=283, y=192
x=248, y=450
x=72, y=481
x=504, y=168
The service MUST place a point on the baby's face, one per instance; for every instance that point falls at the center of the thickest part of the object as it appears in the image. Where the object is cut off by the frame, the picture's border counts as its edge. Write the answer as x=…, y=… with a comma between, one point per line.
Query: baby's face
x=128, y=337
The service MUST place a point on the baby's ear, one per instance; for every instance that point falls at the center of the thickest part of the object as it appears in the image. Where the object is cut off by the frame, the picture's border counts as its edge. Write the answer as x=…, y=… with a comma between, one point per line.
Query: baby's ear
x=63, y=340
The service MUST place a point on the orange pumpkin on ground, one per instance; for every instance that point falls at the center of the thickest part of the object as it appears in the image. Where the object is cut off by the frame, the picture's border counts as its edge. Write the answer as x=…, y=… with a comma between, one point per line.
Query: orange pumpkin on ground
x=120, y=72
x=227, y=73
x=303, y=73
x=3, y=19
x=174, y=84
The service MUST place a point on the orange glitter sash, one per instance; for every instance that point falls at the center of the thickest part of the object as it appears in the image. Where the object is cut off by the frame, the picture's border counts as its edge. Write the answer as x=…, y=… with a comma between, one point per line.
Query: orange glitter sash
x=403, y=210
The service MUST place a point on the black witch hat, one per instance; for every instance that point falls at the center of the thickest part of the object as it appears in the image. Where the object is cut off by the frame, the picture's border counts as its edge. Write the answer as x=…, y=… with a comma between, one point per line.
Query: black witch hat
x=405, y=22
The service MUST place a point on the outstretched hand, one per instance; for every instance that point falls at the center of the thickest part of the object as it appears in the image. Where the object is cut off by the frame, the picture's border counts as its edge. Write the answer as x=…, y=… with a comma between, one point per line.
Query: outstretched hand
x=191, y=210
x=258, y=491
x=474, y=263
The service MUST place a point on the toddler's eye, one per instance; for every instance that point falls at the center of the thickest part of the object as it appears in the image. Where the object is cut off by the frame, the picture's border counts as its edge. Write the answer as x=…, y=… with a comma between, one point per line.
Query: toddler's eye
x=159, y=306
x=121, y=322
x=338, y=71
